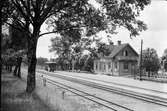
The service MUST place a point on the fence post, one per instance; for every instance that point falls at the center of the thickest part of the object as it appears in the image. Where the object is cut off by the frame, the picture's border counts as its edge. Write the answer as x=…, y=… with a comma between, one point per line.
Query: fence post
x=63, y=94
x=44, y=81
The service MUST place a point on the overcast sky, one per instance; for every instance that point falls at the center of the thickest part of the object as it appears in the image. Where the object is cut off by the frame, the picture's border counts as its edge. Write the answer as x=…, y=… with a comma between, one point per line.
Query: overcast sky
x=154, y=15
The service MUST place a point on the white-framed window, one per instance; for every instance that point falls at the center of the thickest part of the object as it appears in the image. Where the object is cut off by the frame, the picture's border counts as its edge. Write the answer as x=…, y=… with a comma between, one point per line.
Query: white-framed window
x=125, y=53
x=109, y=65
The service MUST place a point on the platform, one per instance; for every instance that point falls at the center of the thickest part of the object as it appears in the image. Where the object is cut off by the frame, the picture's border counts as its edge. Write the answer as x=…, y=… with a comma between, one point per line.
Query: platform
x=145, y=87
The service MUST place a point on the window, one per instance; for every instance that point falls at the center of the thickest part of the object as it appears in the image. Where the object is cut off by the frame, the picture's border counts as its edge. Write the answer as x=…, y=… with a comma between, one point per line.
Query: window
x=100, y=66
x=125, y=53
x=96, y=66
x=104, y=67
x=115, y=65
x=109, y=65
x=125, y=66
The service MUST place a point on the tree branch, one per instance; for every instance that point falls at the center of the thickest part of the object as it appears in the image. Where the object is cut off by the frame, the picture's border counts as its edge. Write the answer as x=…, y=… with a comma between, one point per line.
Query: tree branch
x=45, y=13
x=14, y=26
x=33, y=6
x=38, y=5
x=47, y=33
x=17, y=28
x=76, y=27
x=27, y=9
x=51, y=12
x=43, y=5
x=18, y=6
x=21, y=23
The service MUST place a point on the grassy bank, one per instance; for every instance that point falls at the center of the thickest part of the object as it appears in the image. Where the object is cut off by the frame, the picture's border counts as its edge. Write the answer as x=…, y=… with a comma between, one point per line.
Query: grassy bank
x=14, y=97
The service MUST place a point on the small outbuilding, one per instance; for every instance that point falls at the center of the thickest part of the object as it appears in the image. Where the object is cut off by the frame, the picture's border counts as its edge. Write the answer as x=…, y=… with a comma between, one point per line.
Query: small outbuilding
x=51, y=66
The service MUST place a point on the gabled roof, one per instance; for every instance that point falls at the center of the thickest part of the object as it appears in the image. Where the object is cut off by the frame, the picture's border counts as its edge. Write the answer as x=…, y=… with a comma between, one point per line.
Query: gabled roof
x=115, y=49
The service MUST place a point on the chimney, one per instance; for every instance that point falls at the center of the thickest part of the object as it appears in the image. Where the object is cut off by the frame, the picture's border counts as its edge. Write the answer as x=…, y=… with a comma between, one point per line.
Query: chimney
x=119, y=42
x=111, y=43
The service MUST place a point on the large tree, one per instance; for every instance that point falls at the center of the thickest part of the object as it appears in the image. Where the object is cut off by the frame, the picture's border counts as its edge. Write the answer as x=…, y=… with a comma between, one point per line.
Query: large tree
x=150, y=60
x=69, y=16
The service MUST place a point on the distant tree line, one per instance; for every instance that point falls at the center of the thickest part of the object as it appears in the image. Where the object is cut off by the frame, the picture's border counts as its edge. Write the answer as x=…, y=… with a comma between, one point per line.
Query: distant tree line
x=71, y=56
x=78, y=56
x=14, y=48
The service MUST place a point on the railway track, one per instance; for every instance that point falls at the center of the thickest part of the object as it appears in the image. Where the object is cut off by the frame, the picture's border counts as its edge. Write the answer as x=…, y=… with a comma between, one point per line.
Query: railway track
x=103, y=102
x=100, y=101
x=147, y=98
x=120, y=84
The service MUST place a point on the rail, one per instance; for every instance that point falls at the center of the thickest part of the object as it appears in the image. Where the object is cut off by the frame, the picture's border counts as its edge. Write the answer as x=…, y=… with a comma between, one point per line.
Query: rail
x=74, y=90
x=132, y=94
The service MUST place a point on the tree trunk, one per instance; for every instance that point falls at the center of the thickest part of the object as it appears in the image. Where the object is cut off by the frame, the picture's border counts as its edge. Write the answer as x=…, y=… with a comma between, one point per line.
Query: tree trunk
x=31, y=55
x=15, y=70
x=16, y=67
x=19, y=67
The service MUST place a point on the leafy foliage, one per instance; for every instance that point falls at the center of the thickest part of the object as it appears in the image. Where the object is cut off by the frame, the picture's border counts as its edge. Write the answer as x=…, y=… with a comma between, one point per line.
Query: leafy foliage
x=5, y=42
x=70, y=18
x=164, y=59
x=18, y=38
x=67, y=51
x=41, y=61
x=150, y=60
x=61, y=45
x=103, y=49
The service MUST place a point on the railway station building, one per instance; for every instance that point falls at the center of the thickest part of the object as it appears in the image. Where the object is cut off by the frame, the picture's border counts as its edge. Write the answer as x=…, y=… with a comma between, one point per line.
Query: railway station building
x=123, y=60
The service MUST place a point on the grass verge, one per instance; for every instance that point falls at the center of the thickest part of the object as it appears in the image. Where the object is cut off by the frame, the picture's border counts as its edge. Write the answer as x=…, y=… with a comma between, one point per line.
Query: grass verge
x=14, y=97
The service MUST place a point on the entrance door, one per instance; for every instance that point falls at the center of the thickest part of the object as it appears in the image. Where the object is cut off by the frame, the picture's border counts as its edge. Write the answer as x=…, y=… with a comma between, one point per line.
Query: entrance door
x=133, y=70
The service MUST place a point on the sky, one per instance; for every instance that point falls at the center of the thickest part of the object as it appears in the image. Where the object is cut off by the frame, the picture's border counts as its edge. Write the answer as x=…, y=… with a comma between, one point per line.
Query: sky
x=154, y=15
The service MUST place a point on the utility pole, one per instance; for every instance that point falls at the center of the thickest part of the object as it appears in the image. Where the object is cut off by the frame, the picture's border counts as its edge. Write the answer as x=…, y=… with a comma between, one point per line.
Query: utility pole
x=141, y=60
